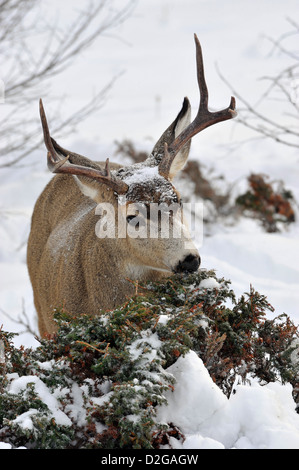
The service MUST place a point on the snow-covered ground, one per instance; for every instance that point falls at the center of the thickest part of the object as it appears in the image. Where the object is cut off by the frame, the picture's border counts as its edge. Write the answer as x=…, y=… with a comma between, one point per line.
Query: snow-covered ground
x=255, y=417
x=155, y=47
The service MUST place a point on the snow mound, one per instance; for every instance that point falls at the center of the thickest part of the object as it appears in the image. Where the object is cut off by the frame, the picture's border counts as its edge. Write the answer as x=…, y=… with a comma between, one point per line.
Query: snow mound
x=254, y=417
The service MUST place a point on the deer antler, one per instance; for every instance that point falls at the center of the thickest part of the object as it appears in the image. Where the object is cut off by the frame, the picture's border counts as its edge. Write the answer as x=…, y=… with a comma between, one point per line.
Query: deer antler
x=59, y=164
x=203, y=119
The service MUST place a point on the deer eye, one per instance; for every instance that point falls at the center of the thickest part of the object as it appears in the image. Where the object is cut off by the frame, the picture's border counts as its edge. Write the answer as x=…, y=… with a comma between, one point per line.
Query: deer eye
x=130, y=218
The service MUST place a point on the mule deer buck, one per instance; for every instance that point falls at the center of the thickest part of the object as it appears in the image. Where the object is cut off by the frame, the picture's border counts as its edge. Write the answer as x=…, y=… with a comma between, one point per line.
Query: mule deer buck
x=68, y=263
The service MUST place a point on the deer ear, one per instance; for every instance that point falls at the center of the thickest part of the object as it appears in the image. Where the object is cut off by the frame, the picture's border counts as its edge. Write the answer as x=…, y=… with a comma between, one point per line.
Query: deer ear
x=182, y=120
x=87, y=186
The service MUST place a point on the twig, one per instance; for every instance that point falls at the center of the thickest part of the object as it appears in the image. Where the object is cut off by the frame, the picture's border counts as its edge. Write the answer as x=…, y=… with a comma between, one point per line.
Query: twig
x=105, y=352
x=22, y=321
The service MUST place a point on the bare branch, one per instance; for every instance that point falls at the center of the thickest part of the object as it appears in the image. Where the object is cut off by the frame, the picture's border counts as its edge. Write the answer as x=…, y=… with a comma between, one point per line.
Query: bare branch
x=29, y=70
x=23, y=321
x=283, y=89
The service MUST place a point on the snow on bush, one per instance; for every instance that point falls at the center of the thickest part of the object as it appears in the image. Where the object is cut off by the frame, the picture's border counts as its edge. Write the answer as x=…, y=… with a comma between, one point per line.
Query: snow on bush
x=182, y=364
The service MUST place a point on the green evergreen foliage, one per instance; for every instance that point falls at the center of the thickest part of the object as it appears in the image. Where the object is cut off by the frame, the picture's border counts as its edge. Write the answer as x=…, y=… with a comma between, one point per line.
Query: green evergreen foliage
x=98, y=381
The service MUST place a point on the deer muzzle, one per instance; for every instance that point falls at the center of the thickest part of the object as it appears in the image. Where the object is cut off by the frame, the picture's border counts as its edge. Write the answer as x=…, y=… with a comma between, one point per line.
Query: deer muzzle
x=190, y=264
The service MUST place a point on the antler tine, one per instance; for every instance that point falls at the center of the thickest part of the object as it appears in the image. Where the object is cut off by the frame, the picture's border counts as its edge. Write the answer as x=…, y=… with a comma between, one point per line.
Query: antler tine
x=54, y=161
x=60, y=164
x=107, y=168
x=202, y=85
x=165, y=163
x=203, y=119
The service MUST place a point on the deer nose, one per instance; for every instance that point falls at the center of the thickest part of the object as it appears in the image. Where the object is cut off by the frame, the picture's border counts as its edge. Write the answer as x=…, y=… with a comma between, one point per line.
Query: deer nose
x=190, y=264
